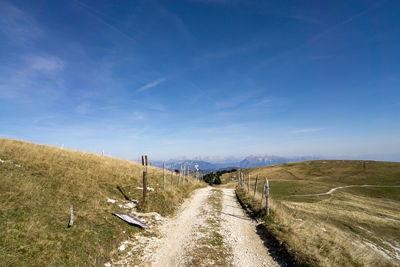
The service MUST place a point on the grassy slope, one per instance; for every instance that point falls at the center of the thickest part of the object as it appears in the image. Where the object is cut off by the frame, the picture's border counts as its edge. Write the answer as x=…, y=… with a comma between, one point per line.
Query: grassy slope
x=339, y=229
x=39, y=183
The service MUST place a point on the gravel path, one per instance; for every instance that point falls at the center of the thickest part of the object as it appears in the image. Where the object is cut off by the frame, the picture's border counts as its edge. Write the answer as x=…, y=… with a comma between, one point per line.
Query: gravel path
x=177, y=232
x=240, y=233
x=210, y=229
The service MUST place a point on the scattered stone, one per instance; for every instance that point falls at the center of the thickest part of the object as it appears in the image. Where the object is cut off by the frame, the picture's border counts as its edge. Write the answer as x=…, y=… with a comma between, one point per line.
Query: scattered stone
x=107, y=264
x=111, y=200
x=122, y=248
x=148, y=188
x=129, y=205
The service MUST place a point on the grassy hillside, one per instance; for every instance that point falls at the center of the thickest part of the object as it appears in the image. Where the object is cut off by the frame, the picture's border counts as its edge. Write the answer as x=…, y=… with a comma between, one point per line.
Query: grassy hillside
x=39, y=183
x=358, y=226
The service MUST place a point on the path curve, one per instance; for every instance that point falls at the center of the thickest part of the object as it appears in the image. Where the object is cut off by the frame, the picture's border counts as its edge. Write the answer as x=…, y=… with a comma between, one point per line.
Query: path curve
x=341, y=187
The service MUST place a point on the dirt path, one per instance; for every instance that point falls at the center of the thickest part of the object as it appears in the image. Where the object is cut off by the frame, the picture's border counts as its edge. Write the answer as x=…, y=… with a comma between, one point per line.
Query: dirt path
x=210, y=229
x=347, y=186
x=240, y=232
x=178, y=232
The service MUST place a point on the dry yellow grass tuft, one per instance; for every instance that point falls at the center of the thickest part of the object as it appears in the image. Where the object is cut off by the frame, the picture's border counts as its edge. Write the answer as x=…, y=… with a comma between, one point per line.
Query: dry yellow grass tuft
x=39, y=183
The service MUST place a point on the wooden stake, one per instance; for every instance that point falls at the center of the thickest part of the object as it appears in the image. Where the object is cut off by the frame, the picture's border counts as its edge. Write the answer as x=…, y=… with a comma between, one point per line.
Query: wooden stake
x=172, y=181
x=248, y=187
x=144, y=163
x=180, y=174
x=184, y=170
x=263, y=191
x=267, y=198
x=255, y=186
x=71, y=218
x=163, y=173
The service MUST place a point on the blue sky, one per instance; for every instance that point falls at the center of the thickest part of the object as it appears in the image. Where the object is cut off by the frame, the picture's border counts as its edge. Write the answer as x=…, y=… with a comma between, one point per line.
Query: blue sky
x=202, y=77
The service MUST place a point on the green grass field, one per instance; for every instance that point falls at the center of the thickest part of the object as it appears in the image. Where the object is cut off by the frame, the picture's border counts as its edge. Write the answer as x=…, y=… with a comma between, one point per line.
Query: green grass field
x=38, y=185
x=358, y=226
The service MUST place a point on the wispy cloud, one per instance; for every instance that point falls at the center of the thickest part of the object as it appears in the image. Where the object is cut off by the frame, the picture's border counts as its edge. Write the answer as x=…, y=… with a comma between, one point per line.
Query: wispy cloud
x=151, y=85
x=37, y=76
x=321, y=34
x=18, y=26
x=219, y=2
x=46, y=64
x=100, y=17
x=87, y=107
x=262, y=102
x=137, y=116
x=174, y=19
x=307, y=130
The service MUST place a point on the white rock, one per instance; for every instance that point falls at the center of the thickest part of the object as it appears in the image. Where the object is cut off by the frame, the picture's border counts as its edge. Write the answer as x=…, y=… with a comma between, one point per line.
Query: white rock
x=148, y=188
x=111, y=200
x=2, y=161
x=129, y=205
x=122, y=248
x=107, y=264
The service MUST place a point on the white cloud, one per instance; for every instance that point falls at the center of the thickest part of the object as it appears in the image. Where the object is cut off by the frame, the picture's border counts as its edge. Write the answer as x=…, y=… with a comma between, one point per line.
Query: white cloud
x=150, y=85
x=137, y=116
x=308, y=130
x=47, y=64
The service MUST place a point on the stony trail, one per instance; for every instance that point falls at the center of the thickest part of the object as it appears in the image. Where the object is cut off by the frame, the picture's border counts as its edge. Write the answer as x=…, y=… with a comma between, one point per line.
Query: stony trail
x=210, y=229
x=240, y=232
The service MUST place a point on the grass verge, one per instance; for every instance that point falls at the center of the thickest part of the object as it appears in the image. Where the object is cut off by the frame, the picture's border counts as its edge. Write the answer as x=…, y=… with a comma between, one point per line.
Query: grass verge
x=352, y=227
x=39, y=183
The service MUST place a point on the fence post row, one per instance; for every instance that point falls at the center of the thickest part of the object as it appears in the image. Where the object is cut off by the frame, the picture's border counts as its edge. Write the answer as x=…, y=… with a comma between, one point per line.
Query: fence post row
x=255, y=186
x=144, y=163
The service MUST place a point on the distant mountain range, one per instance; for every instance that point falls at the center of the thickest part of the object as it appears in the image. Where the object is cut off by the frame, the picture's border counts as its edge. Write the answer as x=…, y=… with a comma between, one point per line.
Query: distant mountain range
x=248, y=162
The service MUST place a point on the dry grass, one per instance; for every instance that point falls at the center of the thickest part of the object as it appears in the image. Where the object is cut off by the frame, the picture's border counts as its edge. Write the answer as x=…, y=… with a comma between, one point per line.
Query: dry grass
x=351, y=227
x=38, y=183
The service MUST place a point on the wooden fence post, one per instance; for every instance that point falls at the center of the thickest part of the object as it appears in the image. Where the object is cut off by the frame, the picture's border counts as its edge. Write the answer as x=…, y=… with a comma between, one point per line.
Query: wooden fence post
x=184, y=174
x=163, y=173
x=144, y=163
x=267, y=198
x=255, y=186
x=248, y=187
x=172, y=181
x=71, y=218
x=180, y=174
x=263, y=191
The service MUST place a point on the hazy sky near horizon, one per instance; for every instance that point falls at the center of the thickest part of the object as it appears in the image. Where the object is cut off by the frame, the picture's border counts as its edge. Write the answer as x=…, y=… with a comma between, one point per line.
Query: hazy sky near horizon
x=202, y=77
